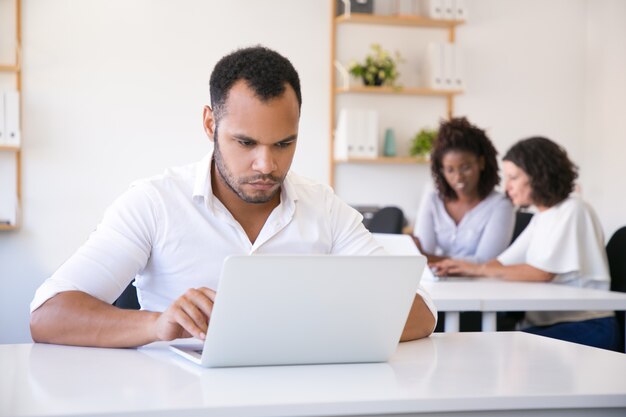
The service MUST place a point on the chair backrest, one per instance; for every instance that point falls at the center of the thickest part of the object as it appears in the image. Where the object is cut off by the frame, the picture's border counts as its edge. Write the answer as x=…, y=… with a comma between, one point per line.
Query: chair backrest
x=128, y=299
x=387, y=220
x=522, y=218
x=616, y=255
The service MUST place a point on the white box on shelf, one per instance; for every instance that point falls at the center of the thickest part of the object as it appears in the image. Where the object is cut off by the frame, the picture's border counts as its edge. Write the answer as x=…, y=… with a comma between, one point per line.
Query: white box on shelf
x=12, y=118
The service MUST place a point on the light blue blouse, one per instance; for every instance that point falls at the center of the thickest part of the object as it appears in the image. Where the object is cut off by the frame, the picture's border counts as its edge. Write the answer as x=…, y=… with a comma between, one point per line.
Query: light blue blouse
x=483, y=233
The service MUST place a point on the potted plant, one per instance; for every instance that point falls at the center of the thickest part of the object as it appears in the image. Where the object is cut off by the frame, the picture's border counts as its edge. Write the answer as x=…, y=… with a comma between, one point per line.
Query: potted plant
x=422, y=142
x=379, y=67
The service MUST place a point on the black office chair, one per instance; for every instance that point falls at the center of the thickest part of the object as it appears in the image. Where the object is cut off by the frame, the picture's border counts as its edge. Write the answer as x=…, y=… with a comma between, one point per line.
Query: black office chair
x=387, y=220
x=522, y=218
x=616, y=255
x=128, y=299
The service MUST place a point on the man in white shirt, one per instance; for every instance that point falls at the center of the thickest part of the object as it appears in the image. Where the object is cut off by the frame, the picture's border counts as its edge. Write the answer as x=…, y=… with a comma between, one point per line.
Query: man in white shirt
x=172, y=232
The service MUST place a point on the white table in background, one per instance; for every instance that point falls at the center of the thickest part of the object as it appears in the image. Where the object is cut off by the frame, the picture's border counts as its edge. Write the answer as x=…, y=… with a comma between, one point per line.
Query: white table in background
x=489, y=296
x=456, y=374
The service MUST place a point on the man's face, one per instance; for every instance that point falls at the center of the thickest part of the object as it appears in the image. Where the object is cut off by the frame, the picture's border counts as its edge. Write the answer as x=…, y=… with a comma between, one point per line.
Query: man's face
x=255, y=142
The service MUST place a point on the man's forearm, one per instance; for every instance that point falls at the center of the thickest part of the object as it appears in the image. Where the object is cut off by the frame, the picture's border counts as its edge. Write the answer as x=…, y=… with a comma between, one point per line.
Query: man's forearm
x=76, y=318
x=420, y=322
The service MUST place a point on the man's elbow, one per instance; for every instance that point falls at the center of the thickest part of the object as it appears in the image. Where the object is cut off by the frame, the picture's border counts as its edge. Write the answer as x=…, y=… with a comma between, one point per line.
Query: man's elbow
x=421, y=321
x=37, y=325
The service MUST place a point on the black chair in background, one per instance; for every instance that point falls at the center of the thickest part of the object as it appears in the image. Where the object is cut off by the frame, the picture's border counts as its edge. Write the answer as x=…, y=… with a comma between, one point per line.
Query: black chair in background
x=387, y=220
x=128, y=299
x=522, y=218
x=616, y=255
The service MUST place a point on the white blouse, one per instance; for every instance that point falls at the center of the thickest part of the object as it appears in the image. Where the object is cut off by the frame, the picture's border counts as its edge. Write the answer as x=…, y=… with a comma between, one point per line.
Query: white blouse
x=566, y=240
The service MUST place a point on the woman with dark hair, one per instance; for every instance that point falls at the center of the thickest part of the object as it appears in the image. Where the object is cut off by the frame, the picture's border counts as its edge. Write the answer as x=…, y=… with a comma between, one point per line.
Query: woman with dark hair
x=562, y=244
x=465, y=218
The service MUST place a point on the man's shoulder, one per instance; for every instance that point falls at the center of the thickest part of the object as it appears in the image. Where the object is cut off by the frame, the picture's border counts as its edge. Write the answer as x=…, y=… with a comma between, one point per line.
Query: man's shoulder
x=307, y=187
x=176, y=175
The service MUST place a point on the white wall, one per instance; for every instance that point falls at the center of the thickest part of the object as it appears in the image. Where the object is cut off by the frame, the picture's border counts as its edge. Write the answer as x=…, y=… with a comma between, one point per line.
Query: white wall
x=604, y=148
x=113, y=91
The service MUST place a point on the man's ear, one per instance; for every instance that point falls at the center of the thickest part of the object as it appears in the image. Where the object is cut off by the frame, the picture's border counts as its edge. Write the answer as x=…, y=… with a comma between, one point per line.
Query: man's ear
x=208, y=122
x=481, y=163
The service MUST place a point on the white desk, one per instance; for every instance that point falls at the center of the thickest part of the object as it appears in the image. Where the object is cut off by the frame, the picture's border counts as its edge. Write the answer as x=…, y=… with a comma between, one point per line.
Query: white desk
x=473, y=374
x=489, y=296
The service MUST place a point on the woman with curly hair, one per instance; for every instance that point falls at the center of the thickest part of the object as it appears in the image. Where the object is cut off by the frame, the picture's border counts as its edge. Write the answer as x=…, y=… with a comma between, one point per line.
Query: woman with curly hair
x=563, y=243
x=465, y=217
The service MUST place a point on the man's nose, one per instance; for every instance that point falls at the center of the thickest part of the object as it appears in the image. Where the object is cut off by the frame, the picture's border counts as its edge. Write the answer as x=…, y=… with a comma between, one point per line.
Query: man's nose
x=264, y=161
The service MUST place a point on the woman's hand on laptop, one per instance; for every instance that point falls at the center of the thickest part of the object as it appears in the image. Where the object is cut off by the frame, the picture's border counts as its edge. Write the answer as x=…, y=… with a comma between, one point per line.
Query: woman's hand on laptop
x=188, y=316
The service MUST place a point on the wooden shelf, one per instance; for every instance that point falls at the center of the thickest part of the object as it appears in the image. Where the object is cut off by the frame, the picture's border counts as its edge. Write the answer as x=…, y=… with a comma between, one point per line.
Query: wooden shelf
x=9, y=68
x=10, y=148
x=411, y=91
x=389, y=160
x=16, y=71
x=402, y=20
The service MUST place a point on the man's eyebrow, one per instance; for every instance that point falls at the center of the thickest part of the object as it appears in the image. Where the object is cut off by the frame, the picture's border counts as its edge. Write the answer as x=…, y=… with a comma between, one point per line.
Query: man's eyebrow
x=241, y=136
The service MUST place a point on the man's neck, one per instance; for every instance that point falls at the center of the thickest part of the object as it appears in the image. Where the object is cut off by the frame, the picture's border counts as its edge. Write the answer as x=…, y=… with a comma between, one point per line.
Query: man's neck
x=251, y=216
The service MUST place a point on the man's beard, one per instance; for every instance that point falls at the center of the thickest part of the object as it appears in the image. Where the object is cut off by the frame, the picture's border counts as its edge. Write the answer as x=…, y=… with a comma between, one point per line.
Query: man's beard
x=236, y=184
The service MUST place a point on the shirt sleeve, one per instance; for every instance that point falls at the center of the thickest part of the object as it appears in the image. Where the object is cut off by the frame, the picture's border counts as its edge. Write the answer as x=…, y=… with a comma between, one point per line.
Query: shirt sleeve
x=557, y=244
x=516, y=253
x=425, y=224
x=112, y=255
x=429, y=303
x=497, y=233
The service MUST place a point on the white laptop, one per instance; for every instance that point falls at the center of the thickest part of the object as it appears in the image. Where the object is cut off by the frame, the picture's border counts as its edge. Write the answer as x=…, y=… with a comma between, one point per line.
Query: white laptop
x=397, y=244
x=308, y=309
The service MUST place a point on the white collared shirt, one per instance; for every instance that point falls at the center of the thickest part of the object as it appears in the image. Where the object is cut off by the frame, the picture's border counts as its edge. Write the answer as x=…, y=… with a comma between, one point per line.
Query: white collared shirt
x=171, y=233
x=483, y=233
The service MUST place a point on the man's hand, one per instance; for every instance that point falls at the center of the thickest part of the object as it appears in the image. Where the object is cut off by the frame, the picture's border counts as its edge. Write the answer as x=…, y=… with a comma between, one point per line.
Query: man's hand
x=188, y=316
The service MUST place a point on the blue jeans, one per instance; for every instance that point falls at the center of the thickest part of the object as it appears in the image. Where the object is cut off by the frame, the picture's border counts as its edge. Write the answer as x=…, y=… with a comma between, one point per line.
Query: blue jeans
x=601, y=333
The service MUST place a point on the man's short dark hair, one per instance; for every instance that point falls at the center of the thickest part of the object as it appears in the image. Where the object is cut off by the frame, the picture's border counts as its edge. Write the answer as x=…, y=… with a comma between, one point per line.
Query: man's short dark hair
x=265, y=71
x=552, y=173
x=458, y=134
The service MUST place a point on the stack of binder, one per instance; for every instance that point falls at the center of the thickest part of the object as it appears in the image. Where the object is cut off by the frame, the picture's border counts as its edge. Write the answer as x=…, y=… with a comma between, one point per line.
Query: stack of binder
x=356, y=135
x=444, y=9
x=10, y=118
x=444, y=69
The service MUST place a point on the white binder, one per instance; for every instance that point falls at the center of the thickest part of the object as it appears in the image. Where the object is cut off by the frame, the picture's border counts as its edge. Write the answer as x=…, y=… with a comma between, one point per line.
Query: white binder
x=460, y=9
x=448, y=10
x=3, y=136
x=12, y=118
x=458, y=68
x=434, y=66
x=433, y=8
x=448, y=65
x=369, y=134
